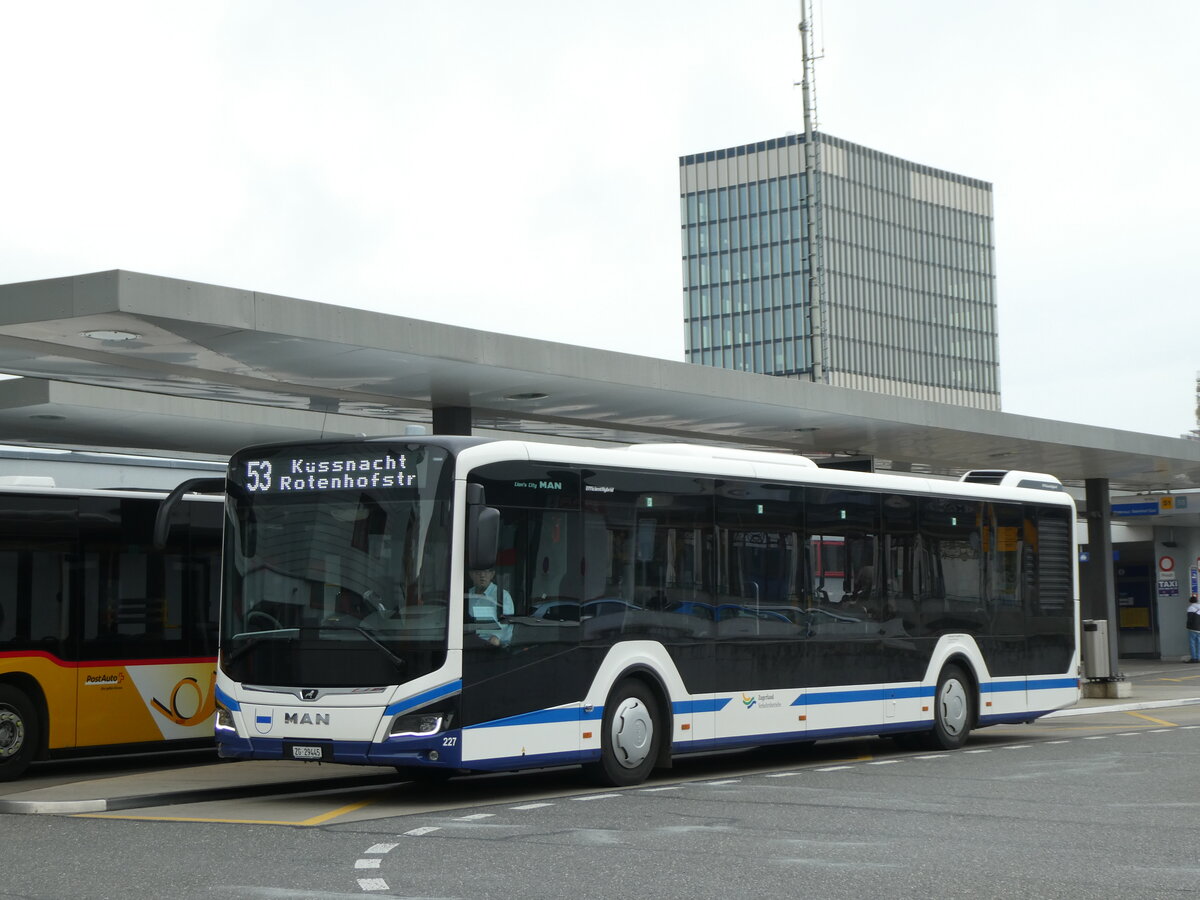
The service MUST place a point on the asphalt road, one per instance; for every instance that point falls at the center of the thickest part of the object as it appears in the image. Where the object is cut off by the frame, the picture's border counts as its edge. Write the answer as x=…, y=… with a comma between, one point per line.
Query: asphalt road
x=1101, y=806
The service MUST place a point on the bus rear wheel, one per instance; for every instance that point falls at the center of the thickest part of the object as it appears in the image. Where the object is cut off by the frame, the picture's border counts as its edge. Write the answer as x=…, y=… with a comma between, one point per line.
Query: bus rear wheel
x=18, y=732
x=630, y=737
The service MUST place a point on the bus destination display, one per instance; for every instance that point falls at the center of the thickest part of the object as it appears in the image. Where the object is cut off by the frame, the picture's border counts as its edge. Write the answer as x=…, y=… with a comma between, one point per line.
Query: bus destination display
x=289, y=474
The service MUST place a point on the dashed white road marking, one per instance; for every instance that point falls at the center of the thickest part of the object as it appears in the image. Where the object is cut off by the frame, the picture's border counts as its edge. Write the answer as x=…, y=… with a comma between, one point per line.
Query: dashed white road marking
x=373, y=884
x=379, y=884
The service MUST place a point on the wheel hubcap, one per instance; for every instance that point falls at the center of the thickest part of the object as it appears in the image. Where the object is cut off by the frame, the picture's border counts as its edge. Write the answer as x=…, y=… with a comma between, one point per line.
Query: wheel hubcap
x=12, y=733
x=632, y=733
x=952, y=703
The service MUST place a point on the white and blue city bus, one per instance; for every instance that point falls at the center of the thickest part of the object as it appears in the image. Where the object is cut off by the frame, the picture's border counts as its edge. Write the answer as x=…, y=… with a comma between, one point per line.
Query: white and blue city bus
x=658, y=600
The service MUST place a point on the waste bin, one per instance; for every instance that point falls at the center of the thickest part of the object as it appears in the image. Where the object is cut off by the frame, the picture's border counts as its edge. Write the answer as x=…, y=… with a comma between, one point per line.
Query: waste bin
x=1095, y=649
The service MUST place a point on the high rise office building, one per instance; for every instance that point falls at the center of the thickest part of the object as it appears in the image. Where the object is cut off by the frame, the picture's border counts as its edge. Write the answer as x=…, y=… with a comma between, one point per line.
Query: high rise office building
x=903, y=262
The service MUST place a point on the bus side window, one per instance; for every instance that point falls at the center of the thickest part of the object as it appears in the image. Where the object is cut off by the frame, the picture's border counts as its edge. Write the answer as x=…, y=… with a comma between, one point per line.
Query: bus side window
x=125, y=581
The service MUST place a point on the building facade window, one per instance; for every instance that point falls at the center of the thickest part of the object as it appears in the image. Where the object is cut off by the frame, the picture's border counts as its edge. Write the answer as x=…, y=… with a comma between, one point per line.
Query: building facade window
x=907, y=268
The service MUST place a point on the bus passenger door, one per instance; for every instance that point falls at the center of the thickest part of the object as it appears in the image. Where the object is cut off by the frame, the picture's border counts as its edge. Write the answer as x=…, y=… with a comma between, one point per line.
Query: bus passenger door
x=135, y=682
x=523, y=681
x=761, y=633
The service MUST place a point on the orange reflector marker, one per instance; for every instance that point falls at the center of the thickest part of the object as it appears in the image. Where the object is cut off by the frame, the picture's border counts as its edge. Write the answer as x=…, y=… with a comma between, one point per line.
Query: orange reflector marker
x=801, y=718
x=586, y=735
x=924, y=709
x=989, y=703
x=685, y=727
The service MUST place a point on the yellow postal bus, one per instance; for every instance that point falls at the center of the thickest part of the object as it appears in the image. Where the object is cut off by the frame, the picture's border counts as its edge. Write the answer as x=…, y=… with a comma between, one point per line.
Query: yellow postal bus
x=105, y=642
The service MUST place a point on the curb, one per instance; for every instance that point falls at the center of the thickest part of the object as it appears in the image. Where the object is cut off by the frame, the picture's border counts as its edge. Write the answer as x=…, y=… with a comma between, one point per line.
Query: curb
x=1120, y=707
x=197, y=795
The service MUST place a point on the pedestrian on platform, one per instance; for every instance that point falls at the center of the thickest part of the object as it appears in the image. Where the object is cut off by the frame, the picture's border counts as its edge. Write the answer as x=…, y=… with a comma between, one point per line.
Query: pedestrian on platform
x=1193, y=627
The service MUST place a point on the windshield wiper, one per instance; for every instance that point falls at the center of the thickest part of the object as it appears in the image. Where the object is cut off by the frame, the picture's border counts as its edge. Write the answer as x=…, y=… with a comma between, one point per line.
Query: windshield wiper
x=370, y=637
x=254, y=638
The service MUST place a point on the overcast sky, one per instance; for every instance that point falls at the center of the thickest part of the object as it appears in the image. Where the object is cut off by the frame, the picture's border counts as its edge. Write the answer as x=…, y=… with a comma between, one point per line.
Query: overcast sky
x=513, y=166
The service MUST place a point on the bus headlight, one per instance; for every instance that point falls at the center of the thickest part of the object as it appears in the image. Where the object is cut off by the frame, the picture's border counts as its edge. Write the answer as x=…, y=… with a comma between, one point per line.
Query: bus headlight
x=224, y=720
x=418, y=724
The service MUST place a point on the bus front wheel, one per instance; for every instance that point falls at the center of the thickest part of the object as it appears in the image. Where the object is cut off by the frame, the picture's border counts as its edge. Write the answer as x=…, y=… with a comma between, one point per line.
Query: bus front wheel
x=630, y=737
x=953, y=710
x=18, y=732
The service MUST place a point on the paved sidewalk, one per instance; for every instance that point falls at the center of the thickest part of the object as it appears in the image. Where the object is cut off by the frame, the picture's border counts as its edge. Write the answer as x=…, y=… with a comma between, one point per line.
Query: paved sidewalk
x=1154, y=684
x=172, y=784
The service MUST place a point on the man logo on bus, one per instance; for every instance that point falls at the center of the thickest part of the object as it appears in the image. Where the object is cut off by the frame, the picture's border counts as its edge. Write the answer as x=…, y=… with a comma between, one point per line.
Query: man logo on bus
x=189, y=705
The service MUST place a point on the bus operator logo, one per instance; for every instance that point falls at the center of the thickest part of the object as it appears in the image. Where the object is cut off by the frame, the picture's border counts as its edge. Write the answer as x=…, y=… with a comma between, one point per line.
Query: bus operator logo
x=189, y=705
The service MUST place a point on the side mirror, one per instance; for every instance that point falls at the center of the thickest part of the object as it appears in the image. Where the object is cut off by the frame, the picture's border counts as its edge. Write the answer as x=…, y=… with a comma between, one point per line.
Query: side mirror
x=483, y=538
x=162, y=519
x=483, y=530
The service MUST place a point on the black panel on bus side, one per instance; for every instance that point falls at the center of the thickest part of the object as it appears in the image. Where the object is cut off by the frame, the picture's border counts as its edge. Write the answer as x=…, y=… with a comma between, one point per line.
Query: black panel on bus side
x=756, y=586
x=38, y=541
x=138, y=603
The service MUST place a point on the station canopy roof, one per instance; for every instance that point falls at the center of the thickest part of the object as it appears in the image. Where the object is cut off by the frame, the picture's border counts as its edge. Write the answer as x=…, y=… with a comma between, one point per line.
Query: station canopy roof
x=125, y=360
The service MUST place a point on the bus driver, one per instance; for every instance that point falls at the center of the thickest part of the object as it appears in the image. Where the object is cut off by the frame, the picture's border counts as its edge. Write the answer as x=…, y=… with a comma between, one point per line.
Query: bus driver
x=488, y=602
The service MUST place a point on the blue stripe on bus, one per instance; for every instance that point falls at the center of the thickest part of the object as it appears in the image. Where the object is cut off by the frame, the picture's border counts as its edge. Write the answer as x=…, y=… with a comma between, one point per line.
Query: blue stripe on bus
x=226, y=701
x=1053, y=684
x=1032, y=684
x=784, y=737
x=365, y=752
x=531, y=760
x=1002, y=687
x=544, y=717
x=685, y=707
x=437, y=693
x=863, y=696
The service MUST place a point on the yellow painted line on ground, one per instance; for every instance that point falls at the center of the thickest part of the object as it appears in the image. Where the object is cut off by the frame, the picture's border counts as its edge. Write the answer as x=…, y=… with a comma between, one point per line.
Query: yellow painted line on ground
x=1055, y=729
x=1151, y=719
x=325, y=817
x=1182, y=678
x=304, y=823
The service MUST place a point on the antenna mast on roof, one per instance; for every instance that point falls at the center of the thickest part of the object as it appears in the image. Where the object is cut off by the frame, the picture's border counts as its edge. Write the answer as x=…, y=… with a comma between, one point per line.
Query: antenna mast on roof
x=818, y=330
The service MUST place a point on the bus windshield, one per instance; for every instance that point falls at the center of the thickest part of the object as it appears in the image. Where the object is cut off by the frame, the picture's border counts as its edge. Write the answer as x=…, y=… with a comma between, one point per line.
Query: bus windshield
x=336, y=565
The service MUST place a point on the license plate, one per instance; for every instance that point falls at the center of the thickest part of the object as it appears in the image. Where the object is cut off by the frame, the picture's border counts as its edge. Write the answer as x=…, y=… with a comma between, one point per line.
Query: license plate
x=308, y=751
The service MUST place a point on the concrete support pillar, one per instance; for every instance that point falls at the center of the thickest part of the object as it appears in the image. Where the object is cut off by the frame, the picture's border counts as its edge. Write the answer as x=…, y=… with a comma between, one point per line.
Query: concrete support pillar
x=1098, y=596
x=452, y=420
